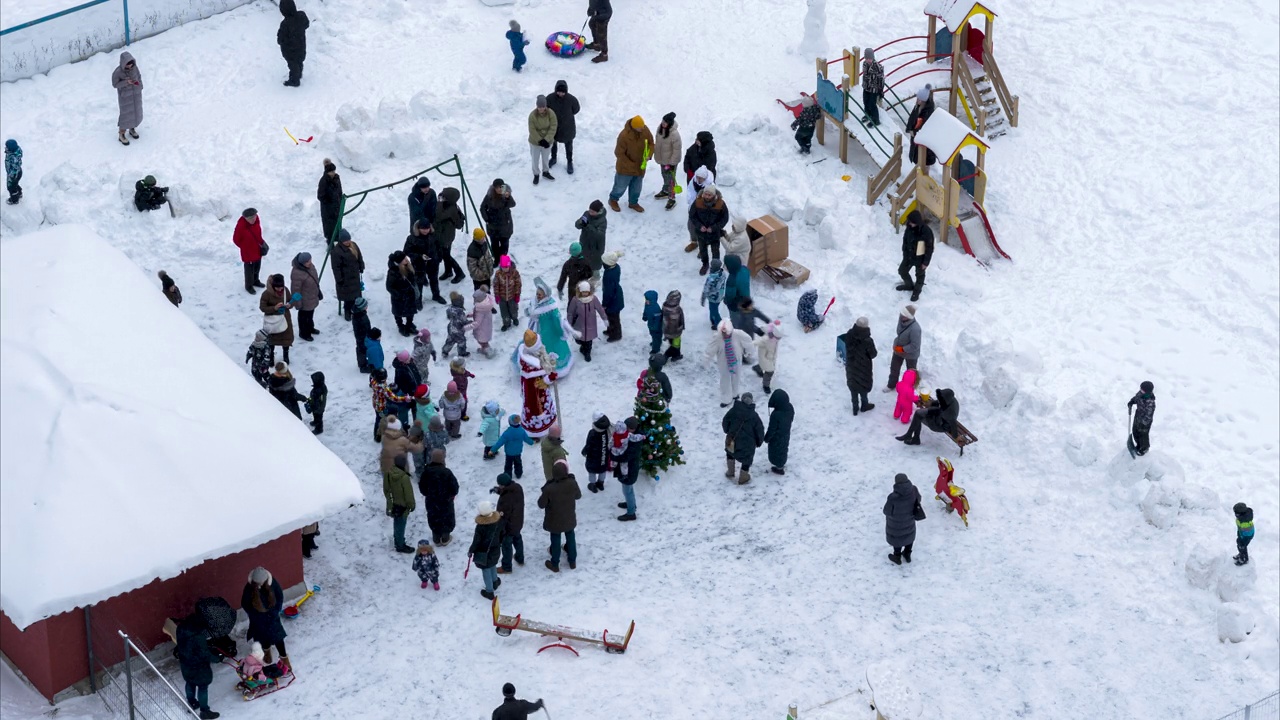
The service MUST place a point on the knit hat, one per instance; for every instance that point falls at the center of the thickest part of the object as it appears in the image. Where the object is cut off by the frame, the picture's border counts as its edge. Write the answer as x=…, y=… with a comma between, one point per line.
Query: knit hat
x=901, y=477
x=436, y=424
x=149, y=180
x=584, y=287
x=255, y=649
x=870, y=54
x=862, y=322
x=637, y=123
x=554, y=432
x=909, y=312
x=437, y=455
x=260, y=336
x=504, y=479
x=922, y=95
x=424, y=543
x=304, y=258
x=10, y=144
x=403, y=356
x=806, y=101
x=504, y=261
x=424, y=333
x=508, y=690
x=596, y=206
x=725, y=327
x=343, y=235
x=611, y=258
x=479, y=295
x=774, y=328
x=478, y=234
x=600, y=421
x=1146, y=386
x=669, y=119
x=277, y=280
x=513, y=420
x=362, y=304
x=747, y=398
x=575, y=249
x=260, y=576
x=716, y=264
x=421, y=391
x=542, y=101
x=422, y=182
x=416, y=432
x=393, y=423
x=485, y=508
x=514, y=25
x=451, y=387
x=498, y=183
x=329, y=166
x=705, y=136
x=632, y=424
x=562, y=85
x=248, y=212
x=282, y=368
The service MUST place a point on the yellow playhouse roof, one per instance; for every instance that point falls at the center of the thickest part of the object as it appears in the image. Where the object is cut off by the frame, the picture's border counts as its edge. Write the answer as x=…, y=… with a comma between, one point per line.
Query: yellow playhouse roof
x=955, y=13
x=946, y=136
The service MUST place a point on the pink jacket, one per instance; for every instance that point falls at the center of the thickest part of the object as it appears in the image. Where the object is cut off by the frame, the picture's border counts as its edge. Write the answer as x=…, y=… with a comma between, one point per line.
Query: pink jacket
x=251, y=666
x=906, y=397
x=482, y=320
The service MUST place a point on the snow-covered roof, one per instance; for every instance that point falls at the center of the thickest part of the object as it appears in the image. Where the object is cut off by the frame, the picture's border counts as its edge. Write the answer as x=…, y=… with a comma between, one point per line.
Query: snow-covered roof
x=131, y=447
x=955, y=12
x=944, y=135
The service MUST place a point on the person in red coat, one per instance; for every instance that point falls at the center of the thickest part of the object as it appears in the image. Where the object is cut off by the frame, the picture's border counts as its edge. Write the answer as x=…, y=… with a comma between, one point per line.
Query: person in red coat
x=248, y=237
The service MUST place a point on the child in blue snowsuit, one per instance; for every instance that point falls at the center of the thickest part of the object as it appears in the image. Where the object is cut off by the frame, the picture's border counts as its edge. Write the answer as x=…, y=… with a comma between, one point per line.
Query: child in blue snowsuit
x=13, y=170
x=1244, y=532
x=713, y=291
x=653, y=317
x=512, y=442
x=516, y=38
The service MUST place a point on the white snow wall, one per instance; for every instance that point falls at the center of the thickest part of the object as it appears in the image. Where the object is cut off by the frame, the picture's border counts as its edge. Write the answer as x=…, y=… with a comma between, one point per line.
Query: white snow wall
x=76, y=36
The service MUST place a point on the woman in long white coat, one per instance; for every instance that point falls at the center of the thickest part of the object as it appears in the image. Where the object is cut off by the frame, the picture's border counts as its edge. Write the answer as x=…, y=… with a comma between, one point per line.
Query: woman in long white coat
x=732, y=352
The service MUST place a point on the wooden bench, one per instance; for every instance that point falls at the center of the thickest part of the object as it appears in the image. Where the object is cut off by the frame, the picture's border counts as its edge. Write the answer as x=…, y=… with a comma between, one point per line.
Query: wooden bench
x=962, y=437
x=504, y=624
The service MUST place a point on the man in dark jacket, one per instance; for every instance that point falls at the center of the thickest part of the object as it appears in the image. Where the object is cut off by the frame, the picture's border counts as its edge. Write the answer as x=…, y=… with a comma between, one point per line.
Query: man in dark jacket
x=1145, y=401
x=149, y=196
x=511, y=504
x=565, y=106
x=708, y=215
x=859, y=351
x=292, y=38
x=439, y=487
x=900, y=517
x=941, y=415
x=592, y=227
x=701, y=152
x=420, y=247
x=329, y=193
x=495, y=210
x=599, y=12
x=917, y=252
x=422, y=202
x=195, y=660
x=348, y=265
x=559, y=499
x=449, y=219
x=744, y=432
x=919, y=115
x=575, y=270
x=513, y=709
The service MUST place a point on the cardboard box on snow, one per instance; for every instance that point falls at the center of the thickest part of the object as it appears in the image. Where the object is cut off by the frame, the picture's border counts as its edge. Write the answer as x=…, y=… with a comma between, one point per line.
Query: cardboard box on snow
x=796, y=274
x=769, y=242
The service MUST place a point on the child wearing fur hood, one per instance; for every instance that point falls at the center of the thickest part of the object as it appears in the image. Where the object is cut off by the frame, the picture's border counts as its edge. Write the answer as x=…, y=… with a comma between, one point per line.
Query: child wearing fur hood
x=767, y=353
x=426, y=565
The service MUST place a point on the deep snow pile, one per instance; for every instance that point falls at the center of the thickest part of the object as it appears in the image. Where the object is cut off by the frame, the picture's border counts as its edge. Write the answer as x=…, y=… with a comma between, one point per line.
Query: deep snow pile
x=119, y=413
x=1067, y=596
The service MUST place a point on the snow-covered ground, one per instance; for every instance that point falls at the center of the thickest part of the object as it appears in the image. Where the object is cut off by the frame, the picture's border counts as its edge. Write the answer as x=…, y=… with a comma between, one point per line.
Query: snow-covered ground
x=1138, y=200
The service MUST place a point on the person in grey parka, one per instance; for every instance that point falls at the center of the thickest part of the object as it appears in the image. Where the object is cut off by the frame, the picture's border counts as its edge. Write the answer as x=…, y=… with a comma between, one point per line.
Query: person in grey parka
x=906, y=346
x=127, y=80
x=901, y=511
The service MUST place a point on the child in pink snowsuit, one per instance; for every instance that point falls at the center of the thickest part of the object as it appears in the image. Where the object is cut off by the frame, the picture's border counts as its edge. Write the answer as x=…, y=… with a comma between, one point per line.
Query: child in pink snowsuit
x=906, y=397
x=482, y=320
x=251, y=666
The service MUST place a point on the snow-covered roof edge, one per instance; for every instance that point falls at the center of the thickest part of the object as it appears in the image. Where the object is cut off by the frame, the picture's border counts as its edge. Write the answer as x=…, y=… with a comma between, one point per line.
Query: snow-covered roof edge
x=955, y=12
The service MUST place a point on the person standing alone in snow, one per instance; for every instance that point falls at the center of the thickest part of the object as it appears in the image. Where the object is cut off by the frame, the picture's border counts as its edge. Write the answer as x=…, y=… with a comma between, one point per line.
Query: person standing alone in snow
x=859, y=351
x=542, y=134
x=872, y=88
x=248, y=237
x=1244, y=532
x=901, y=511
x=127, y=80
x=12, y=170
x=565, y=106
x=329, y=193
x=778, y=436
x=599, y=12
x=1146, y=402
x=917, y=251
x=806, y=122
x=292, y=38
x=515, y=36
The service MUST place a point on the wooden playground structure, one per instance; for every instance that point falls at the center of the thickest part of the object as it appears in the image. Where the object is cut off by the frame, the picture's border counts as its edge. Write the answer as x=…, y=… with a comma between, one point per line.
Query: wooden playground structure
x=980, y=106
x=504, y=624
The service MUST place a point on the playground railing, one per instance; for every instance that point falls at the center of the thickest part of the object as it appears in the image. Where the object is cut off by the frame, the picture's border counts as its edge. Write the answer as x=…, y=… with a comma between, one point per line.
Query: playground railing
x=78, y=32
x=971, y=100
x=1008, y=101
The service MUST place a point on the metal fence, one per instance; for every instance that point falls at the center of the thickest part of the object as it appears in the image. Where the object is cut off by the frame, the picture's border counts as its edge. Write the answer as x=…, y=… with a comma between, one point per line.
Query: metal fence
x=1268, y=708
x=127, y=675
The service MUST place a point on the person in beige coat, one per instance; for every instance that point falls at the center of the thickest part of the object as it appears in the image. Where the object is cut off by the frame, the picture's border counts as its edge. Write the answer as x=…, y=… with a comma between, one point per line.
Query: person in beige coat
x=735, y=241
x=542, y=136
x=667, y=152
x=275, y=301
x=395, y=443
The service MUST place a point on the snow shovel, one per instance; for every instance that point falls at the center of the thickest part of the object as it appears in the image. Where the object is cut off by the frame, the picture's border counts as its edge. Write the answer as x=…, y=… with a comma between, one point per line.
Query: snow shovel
x=291, y=612
x=1128, y=442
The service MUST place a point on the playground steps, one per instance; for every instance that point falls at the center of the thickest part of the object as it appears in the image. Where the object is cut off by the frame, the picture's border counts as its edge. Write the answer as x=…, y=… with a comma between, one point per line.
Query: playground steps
x=997, y=123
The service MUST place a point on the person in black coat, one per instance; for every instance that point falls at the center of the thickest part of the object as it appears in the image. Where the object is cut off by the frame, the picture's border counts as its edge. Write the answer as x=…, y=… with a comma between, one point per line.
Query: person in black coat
x=262, y=600
x=292, y=38
x=919, y=115
x=657, y=361
x=779, y=433
x=195, y=660
x=596, y=452
x=329, y=193
x=360, y=326
x=511, y=506
x=917, y=252
x=486, y=546
x=901, y=511
x=439, y=487
x=941, y=415
x=743, y=434
x=565, y=106
x=149, y=196
x=282, y=387
x=859, y=351
x=422, y=202
x=701, y=152
x=495, y=210
x=406, y=377
x=513, y=709
x=599, y=12
x=317, y=401
x=348, y=265
x=424, y=253
x=400, y=284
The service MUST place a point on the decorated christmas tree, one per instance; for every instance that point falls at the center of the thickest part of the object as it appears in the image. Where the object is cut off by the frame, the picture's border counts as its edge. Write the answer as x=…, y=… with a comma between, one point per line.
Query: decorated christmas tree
x=662, y=446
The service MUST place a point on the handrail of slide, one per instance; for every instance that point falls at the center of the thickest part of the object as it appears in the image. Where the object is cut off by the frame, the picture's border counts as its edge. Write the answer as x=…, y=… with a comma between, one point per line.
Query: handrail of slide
x=922, y=72
x=991, y=235
x=916, y=60
x=894, y=42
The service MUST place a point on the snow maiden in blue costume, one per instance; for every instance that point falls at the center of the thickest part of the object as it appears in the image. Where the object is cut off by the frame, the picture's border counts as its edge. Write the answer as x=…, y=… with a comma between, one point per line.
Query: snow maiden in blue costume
x=546, y=319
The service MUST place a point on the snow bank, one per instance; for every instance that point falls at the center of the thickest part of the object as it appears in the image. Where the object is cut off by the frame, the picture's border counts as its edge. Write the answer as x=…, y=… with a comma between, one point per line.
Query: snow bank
x=39, y=48
x=124, y=427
